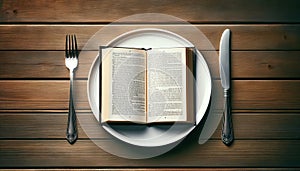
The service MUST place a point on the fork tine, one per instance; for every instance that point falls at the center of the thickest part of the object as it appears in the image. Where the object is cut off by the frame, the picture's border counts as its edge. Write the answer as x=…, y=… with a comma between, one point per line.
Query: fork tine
x=76, y=51
x=70, y=50
x=66, y=48
x=73, y=51
x=74, y=46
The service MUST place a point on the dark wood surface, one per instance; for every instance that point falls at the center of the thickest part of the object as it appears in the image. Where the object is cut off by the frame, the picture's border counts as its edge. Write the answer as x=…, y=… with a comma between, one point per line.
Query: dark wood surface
x=34, y=83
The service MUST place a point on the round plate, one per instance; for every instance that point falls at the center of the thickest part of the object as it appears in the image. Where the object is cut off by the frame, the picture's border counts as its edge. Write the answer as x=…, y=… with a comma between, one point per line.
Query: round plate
x=152, y=135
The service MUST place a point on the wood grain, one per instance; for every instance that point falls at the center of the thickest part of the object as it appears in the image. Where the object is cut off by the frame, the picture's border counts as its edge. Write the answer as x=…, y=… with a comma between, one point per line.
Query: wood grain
x=265, y=64
x=244, y=37
x=249, y=126
x=245, y=64
x=233, y=11
x=267, y=94
x=58, y=153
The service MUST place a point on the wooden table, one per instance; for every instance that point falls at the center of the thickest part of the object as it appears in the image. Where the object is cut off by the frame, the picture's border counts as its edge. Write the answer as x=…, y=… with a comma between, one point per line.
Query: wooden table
x=34, y=83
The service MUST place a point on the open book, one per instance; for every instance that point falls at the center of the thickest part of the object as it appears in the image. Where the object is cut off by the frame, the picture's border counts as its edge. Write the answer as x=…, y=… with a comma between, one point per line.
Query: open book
x=147, y=85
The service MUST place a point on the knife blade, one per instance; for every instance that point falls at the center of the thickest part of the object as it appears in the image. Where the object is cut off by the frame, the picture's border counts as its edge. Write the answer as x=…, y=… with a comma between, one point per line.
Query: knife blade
x=224, y=59
x=224, y=62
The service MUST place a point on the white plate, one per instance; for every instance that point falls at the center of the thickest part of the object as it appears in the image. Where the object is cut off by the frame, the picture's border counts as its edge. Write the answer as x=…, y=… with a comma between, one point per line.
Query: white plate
x=153, y=135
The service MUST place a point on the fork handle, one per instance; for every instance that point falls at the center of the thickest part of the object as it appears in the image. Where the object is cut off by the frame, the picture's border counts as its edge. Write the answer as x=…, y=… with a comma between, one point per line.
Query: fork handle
x=227, y=129
x=72, y=121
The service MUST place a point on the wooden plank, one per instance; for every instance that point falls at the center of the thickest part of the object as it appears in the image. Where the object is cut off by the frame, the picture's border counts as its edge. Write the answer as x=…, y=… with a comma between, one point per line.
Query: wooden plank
x=40, y=94
x=53, y=125
x=244, y=37
x=265, y=64
x=34, y=94
x=51, y=94
x=58, y=153
x=192, y=11
x=245, y=64
x=266, y=94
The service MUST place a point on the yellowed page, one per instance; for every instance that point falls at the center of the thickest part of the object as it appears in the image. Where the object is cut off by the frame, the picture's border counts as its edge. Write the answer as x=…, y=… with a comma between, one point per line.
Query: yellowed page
x=166, y=69
x=106, y=85
x=124, y=90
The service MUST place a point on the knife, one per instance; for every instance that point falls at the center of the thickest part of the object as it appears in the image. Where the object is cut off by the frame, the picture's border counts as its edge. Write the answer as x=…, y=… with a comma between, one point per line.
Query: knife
x=224, y=62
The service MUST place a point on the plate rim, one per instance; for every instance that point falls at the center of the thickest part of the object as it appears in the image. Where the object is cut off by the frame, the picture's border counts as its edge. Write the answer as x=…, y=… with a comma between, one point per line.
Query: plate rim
x=129, y=33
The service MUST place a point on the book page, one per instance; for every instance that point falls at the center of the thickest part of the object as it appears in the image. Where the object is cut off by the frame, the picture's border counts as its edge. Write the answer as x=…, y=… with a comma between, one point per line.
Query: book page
x=127, y=84
x=166, y=75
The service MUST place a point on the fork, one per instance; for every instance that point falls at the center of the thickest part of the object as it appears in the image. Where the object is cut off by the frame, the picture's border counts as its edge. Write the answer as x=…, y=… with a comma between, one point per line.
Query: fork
x=71, y=61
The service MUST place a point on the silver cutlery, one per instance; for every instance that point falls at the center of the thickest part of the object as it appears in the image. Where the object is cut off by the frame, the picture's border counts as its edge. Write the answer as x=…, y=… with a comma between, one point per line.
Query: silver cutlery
x=224, y=62
x=71, y=61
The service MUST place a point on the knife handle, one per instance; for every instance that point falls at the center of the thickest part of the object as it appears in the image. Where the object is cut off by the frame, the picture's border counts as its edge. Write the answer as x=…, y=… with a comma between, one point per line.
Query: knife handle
x=227, y=129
